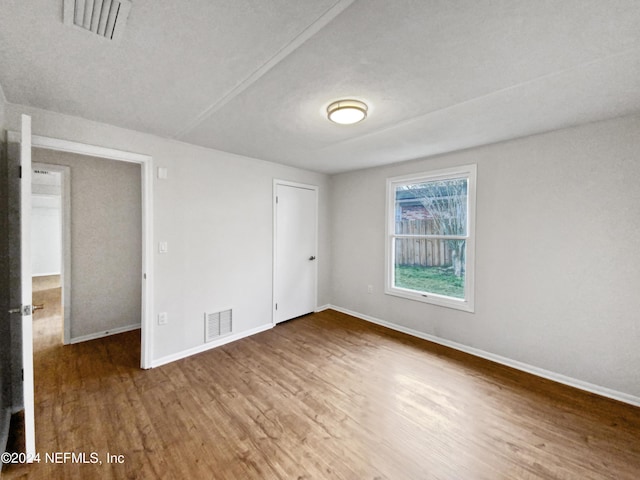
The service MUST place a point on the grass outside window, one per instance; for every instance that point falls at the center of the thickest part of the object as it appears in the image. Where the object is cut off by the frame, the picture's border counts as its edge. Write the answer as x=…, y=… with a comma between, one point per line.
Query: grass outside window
x=438, y=280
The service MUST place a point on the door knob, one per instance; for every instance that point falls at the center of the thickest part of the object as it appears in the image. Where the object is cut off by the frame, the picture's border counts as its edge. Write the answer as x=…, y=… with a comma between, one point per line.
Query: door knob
x=312, y=257
x=25, y=310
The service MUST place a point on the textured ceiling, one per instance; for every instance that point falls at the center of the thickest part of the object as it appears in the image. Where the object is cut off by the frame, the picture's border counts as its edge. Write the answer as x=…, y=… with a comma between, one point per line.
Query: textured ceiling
x=254, y=77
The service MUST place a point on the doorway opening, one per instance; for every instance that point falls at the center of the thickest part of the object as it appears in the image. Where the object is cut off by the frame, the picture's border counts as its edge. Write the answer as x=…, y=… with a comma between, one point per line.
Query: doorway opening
x=105, y=242
x=146, y=197
x=21, y=144
x=50, y=238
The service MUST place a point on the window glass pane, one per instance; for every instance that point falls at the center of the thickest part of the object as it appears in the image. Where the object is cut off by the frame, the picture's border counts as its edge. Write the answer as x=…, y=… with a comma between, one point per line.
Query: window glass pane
x=437, y=207
x=430, y=266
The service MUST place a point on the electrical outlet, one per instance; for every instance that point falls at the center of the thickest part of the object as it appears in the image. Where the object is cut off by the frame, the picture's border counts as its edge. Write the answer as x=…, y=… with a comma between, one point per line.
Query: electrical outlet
x=369, y=288
x=163, y=318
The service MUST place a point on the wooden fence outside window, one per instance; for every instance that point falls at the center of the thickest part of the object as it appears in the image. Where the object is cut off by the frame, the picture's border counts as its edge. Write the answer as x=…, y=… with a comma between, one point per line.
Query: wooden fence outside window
x=421, y=252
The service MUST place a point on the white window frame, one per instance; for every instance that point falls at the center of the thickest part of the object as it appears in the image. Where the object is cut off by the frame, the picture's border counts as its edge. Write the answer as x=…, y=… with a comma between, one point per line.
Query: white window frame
x=465, y=171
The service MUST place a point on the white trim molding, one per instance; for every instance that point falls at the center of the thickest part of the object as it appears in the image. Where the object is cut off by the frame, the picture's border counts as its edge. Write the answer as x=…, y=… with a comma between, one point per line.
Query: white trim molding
x=524, y=367
x=208, y=346
x=104, y=333
x=38, y=141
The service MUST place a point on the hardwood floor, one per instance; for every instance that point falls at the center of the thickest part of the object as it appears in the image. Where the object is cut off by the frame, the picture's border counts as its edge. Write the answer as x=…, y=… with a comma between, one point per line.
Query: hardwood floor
x=325, y=396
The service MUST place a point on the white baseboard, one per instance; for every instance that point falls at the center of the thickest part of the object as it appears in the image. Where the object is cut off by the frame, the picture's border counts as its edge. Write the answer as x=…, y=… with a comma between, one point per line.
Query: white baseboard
x=45, y=274
x=208, y=346
x=105, y=333
x=323, y=308
x=540, y=372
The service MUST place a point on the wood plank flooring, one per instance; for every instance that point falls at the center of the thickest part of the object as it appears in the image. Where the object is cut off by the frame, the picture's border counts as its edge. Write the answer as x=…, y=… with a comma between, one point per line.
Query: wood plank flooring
x=326, y=396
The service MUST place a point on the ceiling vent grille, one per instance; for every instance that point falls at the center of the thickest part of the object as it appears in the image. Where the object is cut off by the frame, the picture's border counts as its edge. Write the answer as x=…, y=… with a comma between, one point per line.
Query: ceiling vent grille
x=217, y=324
x=105, y=18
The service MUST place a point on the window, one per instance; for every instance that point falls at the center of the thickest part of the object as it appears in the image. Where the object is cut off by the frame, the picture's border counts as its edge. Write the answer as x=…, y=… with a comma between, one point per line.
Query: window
x=430, y=237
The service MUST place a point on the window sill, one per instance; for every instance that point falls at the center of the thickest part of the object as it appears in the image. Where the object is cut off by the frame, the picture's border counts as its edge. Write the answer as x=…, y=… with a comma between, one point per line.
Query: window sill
x=439, y=300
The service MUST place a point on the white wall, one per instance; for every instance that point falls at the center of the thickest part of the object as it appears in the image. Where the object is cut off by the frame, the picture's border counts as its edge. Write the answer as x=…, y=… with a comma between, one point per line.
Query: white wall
x=46, y=249
x=557, y=253
x=215, y=212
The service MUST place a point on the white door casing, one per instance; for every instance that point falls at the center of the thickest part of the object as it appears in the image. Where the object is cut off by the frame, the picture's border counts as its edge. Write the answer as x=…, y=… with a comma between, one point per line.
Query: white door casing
x=146, y=162
x=26, y=287
x=295, y=249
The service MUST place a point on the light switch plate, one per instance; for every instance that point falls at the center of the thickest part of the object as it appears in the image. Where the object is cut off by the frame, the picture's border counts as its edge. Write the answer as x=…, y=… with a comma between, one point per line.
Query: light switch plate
x=162, y=247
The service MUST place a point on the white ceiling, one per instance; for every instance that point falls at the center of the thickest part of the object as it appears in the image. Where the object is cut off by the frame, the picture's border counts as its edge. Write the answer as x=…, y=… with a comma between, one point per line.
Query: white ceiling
x=254, y=77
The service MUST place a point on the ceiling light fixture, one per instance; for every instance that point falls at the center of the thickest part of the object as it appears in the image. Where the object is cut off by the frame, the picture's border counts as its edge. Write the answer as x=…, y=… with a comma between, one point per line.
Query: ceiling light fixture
x=347, y=112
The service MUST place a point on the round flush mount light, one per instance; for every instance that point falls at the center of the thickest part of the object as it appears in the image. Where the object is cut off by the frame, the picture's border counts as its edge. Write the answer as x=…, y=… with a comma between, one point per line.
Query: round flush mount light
x=347, y=112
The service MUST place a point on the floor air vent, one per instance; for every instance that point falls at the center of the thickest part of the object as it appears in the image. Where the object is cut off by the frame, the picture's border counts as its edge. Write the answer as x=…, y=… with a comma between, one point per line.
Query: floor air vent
x=217, y=324
x=105, y=18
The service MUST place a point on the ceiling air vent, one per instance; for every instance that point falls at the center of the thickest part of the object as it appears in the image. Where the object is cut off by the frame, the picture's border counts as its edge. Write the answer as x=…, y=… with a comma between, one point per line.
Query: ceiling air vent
x=106, y=18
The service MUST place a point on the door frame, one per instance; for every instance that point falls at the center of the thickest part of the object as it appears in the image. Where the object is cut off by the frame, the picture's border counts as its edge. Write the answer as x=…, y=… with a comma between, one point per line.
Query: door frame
x=65, y=240
x=286, y=183
x=146, y=163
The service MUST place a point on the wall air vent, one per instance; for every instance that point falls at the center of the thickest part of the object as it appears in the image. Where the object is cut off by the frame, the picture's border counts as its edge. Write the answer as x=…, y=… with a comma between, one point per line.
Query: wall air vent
x=217, y=324
x=105, y=18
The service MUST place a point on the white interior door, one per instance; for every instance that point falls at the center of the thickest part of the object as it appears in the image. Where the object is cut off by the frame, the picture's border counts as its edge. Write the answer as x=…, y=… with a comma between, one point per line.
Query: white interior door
x=295, y=250
x=25, y=284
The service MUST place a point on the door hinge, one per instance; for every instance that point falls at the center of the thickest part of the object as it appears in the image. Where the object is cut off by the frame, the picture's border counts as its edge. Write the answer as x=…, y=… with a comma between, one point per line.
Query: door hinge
x=276, y=306
x=277, y=200
x=20, y=171
x=22, y=374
